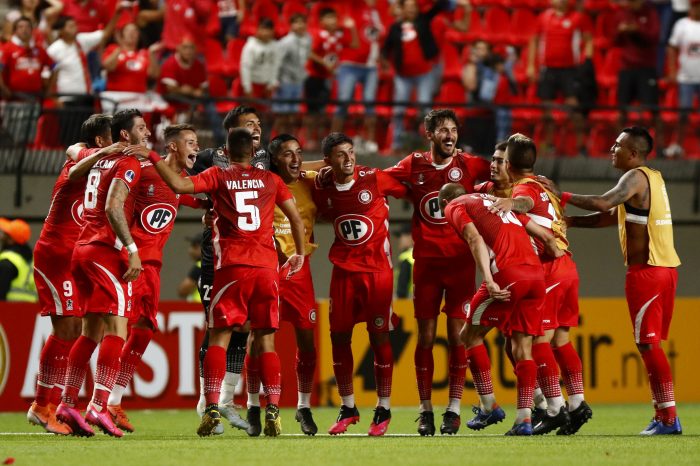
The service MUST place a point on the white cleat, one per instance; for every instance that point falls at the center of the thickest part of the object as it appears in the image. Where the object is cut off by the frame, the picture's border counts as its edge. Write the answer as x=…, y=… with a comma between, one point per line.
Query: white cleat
x=229, y=411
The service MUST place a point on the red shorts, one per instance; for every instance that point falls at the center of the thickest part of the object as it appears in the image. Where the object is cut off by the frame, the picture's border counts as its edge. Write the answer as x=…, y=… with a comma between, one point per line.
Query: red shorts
x=241, y=293
x=58, y=293
x=522, y=313
x=361, y=297
x=561, y=304
x=297, y=298
x=650, y=293
x=434, y=277
x=147, y=295
x=98, y=271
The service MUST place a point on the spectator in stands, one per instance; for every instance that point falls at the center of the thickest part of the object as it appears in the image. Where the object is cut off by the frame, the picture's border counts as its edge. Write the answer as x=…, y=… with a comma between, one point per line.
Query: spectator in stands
x=41, y=14
x=231, y=14
x=149, y=19
x=326, y=45
x=684, y=68
x=16, y=276
x=259, y=62
x=89, y=15
x=183, y=76
x=293, y=52
x=359, y=66
x=560, y=32
x=185, y=18
x=187, y=289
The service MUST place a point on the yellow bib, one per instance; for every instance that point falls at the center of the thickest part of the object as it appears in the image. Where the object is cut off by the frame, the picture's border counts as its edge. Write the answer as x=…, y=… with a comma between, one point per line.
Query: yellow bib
x=558, y=225
x=301, y=190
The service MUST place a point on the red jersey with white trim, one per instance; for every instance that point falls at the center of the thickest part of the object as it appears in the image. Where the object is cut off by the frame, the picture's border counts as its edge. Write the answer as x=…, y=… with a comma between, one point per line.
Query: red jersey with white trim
x=360, y=216
x=432, y=236
x=504, y=234
x=244, y=207
x=97, y=228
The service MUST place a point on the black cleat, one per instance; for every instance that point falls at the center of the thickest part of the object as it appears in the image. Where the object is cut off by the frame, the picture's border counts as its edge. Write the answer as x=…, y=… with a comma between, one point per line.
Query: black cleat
x=254, y=426
x=426, y=423
x=537, y=415
x=450, y=423
x=577, y=418
x=549, y=423
x=306, y=421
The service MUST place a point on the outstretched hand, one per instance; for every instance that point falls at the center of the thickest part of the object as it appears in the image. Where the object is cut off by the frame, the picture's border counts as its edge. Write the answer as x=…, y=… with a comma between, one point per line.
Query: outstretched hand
x=295, y=263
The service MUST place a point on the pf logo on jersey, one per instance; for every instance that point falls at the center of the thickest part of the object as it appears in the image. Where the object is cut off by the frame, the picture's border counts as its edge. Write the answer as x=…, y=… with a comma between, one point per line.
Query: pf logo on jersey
x=76, y=211
x=430, y=209
x=156, y=217
x=353, y=229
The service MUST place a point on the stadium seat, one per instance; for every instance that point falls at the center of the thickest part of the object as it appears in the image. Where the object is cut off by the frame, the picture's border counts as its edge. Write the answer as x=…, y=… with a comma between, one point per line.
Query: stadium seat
x=497, y=25
x=452, y=94
x=522, y=27
x=234, y=47
x=477, y=30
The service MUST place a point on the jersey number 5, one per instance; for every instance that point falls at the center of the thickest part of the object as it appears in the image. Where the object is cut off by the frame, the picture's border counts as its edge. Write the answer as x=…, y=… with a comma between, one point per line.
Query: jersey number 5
x=91, y=189
x=252, y=222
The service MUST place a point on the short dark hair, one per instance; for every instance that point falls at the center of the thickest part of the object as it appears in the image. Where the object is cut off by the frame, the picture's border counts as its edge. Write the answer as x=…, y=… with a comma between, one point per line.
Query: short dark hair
x=501, y=146
x=327, y=11
x=123, y=119
x=297, y=17
x=19, y=20
x=437, y=116
x=231, y=118
x=173, y=131
x=641, y=135
x=266, y=23
x=61, y=22
x=98, y=124
x=239, y=144
x=276, y=144
x=332, y=140
x=522, y=152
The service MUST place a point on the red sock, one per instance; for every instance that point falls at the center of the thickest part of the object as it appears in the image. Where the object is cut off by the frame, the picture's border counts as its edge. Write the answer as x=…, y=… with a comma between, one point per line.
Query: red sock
x=383, y=368
x=48, y=372
x=342, y=368
x=458, y=371
x=423, y=358
x=661, y=383
x=571, y=368
x=78, y=360
x=107, y=369
x=480, y=367
x=271, y=376
x=527, y=375
x=60, y=365
x=306, y=368
x=252, y=373
x=214, y=371
x=547, y=370
x=132, y=353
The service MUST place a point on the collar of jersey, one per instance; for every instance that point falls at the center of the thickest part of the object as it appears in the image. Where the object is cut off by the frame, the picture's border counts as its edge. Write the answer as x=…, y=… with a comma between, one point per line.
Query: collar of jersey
x=344, y=186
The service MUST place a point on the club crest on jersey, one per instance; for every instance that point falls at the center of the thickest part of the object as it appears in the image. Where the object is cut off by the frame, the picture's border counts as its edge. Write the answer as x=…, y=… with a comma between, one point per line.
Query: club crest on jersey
x=129, y=175
x=430, y=209
x=353, y=229
x=76, y=211
x=455, y=174
x=421, y=179
x=365, y=196
x=312, y=316
x=379, y=322
x=156, y=217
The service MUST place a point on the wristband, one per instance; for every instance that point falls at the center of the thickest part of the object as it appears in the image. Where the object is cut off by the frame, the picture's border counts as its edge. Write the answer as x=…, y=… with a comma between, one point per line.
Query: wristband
x=131, y=248
x=154, y=157
x=565, y=198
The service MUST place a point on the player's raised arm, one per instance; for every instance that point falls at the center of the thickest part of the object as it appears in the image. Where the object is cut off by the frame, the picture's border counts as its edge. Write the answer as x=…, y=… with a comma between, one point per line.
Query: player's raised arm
x=290, y=210
x=631, y=183
x=179, y=184
x=82, y=168
x=114, y=209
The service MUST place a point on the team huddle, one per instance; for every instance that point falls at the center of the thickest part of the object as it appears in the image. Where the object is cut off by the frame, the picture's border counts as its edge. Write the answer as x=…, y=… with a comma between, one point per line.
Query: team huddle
x=99, y=256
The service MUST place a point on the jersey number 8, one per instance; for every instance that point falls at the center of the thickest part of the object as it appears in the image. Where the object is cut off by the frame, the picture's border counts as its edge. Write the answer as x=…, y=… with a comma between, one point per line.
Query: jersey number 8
x=93, y=182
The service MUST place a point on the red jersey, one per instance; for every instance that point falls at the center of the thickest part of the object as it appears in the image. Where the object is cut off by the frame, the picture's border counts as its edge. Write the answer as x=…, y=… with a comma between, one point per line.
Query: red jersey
x=413, y=62
x=22, y=66
x=560, y=37
x=370, y=32
x=504, y=234
x=432, y=236
x=185, y=18
x=97, y=228
x=173, y=73
x=360, y=216
x=89, y=15
x=244, y=208
x=328, y=46
x=131, y=73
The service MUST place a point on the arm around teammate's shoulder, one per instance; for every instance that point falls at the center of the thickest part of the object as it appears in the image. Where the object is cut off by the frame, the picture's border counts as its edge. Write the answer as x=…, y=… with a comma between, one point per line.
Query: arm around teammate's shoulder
x=179, y=184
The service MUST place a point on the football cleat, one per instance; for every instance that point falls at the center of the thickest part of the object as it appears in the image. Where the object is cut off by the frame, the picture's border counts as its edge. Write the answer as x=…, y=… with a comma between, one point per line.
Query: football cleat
x=450, y=423
x=201, y=406
x=346, y=417
x=45, y=417
x=120, y=418
x=664, y=429
x=253, y=417
x=484, y=419
x=426, y=423
x=306, y=421
x=103, y=421
x=380, y=422
x=229, y=411
x=651, y=425
x=72, y=418
x=210, y=420
x=273, y=423
x=577, y=418
x=549, y=423
x=524, y=428
x=537, y=415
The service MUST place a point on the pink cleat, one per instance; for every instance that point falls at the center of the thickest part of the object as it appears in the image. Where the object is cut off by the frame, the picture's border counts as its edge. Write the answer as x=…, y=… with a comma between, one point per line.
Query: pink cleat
x=346, y=417
x=380, y=423
x=103, y=421
x=72, y=418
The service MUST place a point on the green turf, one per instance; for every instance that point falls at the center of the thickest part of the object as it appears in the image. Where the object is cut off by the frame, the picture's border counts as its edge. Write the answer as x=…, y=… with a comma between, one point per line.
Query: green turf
x=168, y=438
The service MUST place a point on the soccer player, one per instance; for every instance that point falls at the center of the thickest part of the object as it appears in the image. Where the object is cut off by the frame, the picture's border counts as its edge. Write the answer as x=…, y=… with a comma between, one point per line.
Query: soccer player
x=297, y=297
x=58, y=295
x=499, y=184
x=443, y=263
x=105, y=262
x=246, y=278
x=560, y=312
x=510, y=297
x=353, y=199
x=155, y=209
x=639, y=205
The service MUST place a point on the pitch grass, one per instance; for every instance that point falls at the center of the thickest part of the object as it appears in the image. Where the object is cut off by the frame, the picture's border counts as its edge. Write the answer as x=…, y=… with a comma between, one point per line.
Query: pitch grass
x=168, y=438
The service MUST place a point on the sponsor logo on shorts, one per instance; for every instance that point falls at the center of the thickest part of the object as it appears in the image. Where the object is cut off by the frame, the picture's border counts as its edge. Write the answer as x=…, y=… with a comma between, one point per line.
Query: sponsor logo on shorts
x=312, y=316
x=156, y=217
x=353, y=229
x=129, y=175
x=379, y=321
x=365, y=196
x=455, y=174
x=76, y=211
x=652, y=334
x=430, y=209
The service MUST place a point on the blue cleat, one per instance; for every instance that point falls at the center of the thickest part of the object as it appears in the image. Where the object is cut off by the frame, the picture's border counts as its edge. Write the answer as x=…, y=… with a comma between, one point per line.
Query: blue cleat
x=664, y=429
x=524, y=428
x=484, y=419
x=651, y=426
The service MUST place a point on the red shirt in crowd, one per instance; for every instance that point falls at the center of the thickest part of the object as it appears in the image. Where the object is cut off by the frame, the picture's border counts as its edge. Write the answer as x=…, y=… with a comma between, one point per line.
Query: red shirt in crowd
x=89, y=15
x=22, y=66
x=561, y=37
x=327, y=45
x=638, y=47
x=413, y=63
x=131, y=73
x=370, y=32
x=185, y=18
